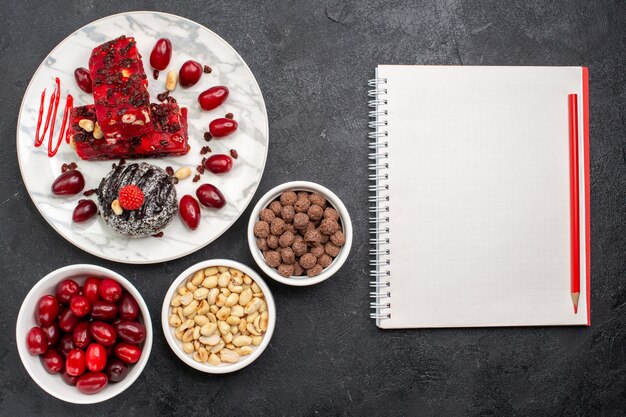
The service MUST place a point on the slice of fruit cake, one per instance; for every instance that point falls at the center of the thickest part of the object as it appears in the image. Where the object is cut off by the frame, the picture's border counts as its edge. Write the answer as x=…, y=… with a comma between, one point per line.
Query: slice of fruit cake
x=120, y=89
x=168, y=136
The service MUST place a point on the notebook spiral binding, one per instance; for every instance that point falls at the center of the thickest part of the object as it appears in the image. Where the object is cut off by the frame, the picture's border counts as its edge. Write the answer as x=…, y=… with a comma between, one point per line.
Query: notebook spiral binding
x=378, y=201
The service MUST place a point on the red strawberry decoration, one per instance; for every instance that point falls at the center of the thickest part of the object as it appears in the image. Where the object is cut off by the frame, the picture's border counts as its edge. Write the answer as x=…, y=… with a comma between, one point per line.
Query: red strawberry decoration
x=130, y=197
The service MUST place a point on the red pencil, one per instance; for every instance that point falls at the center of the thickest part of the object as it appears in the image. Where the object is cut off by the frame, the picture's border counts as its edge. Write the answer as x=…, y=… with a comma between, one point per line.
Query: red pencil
x=572, y=100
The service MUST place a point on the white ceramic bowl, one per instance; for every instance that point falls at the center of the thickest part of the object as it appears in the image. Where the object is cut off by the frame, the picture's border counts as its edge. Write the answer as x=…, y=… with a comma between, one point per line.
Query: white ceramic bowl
x=53, y=384
x=177, y=345
x=333, y=200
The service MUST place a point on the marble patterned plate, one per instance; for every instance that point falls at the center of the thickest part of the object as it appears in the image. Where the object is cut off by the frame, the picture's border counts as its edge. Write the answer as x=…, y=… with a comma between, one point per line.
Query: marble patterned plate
x=190, y=41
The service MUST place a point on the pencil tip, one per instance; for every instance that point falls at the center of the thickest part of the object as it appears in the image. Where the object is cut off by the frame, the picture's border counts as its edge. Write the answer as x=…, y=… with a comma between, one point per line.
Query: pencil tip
x=575, y=297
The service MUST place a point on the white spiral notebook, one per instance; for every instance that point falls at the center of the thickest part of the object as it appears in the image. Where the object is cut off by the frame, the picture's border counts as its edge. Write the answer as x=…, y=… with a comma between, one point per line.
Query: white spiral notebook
x=470, y=196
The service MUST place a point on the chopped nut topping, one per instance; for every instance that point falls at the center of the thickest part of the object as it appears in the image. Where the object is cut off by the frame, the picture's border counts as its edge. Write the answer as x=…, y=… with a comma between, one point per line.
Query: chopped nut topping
x=86, y=124
x=117, y=208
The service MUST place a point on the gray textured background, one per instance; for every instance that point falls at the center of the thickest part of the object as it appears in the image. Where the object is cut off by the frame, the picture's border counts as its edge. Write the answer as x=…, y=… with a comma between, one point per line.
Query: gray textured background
x=312, y=60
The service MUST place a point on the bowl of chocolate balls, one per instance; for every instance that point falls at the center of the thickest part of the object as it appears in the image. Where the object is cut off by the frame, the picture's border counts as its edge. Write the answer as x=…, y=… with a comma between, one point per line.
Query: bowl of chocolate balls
x=300, y=233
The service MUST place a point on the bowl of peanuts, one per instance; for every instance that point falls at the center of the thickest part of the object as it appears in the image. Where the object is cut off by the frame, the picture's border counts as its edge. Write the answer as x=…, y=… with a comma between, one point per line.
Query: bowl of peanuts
x=218, y=316
x=300, y=233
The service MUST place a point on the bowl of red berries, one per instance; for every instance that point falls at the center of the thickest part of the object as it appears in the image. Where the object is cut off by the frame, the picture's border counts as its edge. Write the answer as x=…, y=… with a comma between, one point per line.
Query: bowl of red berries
x=84, y=334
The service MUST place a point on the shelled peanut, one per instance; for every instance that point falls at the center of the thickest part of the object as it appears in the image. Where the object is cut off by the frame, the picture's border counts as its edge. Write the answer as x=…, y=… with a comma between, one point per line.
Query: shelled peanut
x=219, y=315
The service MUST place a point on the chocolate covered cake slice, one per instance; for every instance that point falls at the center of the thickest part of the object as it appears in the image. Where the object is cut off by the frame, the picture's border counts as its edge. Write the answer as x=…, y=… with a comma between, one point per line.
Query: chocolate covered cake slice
x=158, y=200
x=120, y=89
x=168, y=135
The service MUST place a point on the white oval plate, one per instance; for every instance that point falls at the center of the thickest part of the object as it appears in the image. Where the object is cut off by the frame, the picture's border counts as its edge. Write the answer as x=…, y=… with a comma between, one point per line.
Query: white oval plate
x=190, y=41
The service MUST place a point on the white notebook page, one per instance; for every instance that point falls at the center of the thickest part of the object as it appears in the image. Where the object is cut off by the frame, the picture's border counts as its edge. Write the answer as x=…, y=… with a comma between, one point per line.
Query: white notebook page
x=479, y=196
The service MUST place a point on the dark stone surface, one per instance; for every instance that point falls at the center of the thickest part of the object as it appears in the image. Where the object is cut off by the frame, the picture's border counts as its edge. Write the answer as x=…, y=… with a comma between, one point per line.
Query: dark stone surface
x=312, y=60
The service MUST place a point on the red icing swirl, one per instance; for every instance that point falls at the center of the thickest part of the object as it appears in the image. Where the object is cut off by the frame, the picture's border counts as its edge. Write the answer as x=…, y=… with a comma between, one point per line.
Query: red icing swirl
x=51, y=116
